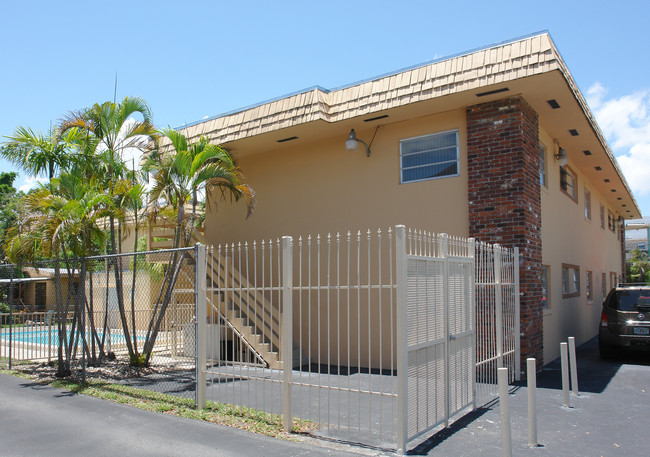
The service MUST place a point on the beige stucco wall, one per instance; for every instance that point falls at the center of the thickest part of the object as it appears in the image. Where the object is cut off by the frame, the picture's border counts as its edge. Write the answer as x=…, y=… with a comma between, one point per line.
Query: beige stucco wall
x=569, y=237
x=322, y=187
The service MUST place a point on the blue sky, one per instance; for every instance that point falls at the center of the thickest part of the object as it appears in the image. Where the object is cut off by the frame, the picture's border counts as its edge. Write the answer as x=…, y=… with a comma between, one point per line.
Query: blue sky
x=190, y=59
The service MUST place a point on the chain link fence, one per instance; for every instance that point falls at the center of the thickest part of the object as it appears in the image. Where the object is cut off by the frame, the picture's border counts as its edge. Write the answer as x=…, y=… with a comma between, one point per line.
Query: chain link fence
x=126, y=318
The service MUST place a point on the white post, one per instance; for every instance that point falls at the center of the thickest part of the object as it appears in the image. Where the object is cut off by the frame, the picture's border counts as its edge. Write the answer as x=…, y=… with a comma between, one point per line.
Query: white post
x=443, y=251
x=573, y=364
x=200, y=339
x=517, y=317
x=287, y=327
x=531, y=371
x=498, y=304
x=472, y=288
x=565, y=375
x=506, y=435
x=401, y=333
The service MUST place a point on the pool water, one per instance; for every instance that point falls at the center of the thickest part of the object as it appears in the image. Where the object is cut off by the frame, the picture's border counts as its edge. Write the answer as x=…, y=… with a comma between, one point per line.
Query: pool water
x=50, y=336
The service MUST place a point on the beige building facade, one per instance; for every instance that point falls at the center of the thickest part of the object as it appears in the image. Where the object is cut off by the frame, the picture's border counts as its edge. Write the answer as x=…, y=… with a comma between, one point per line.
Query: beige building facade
x=431, y=156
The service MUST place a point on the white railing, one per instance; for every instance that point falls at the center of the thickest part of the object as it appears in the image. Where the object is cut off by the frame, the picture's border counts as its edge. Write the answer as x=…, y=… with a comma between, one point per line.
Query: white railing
x=378, y=336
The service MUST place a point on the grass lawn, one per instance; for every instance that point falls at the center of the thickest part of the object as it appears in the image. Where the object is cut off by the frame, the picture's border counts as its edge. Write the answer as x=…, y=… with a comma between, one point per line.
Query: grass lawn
x=233, y=416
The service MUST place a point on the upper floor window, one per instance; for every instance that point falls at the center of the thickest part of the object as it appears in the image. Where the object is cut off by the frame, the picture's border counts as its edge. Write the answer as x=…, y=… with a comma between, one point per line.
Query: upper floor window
x=587, y=205
x=569, y=182
x=611, y=221
x=602, y=216
x=542, y=165
x=429, y=157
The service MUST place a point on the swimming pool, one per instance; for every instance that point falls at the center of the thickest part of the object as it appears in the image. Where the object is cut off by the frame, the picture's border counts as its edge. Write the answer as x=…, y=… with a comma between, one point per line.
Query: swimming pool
x=49, y=335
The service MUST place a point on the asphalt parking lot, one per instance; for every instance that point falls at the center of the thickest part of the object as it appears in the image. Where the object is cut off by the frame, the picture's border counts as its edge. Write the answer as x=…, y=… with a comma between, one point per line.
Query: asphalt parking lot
x=608, y=418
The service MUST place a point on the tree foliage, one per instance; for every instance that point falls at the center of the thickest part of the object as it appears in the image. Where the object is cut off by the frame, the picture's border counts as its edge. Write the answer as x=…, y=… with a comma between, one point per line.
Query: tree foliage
x=638, y=267
x=8, y=207
x=94, y=196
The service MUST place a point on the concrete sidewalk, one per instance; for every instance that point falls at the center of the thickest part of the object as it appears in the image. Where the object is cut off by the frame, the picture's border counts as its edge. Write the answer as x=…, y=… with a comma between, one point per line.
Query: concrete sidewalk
x=611, y=417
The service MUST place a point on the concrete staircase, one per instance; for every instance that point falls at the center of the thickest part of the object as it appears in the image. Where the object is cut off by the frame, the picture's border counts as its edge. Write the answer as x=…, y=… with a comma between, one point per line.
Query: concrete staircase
x=246, y=312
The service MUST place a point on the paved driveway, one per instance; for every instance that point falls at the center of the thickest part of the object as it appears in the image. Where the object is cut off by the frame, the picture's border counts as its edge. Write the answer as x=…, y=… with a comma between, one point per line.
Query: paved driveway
x=610, y=418
x=44, y=421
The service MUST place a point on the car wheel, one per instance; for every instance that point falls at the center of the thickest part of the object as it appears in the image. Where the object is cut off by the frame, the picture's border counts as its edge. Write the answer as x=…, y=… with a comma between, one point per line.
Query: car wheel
x=607, y=351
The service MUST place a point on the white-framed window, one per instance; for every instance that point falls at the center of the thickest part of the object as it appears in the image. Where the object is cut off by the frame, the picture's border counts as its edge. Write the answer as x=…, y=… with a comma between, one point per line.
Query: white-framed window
x=587, y=205
x=589, y=286
x=602, y=217
x=542, y=166
x=545, y=287
x=570, y=280
x=611, y=221
x=569, y=182
x=429, y=157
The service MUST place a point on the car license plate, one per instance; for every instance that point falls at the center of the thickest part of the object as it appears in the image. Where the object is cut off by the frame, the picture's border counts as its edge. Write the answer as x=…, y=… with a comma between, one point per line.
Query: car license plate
x=641, y=331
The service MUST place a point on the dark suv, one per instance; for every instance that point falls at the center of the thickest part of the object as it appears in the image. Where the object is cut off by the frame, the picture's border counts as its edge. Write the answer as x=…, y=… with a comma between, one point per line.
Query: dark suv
x=625, y=320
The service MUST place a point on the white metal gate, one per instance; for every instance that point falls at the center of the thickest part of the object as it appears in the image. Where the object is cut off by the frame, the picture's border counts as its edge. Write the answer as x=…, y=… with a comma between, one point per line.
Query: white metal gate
x=372, y=335
x=436, y=362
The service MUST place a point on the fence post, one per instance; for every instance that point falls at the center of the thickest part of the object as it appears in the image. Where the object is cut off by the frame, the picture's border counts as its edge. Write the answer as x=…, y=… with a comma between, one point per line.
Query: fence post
x=287, y=327
x=472, y=289
x=498, y=304
x=573, y=366
x=565, y=374
x=401, y=332
x=11, y=314
x=443, y=251
x=504, y=406
x=517, y=330
x=200, y=336
x=531, y=371
x=81, y=300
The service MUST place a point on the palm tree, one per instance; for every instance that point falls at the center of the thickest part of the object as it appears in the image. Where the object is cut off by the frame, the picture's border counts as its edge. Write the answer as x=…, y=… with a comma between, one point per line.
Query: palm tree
x=112, y=130
x=179, y=172
x=183, y=170
x=61, y=221
x=38, y=153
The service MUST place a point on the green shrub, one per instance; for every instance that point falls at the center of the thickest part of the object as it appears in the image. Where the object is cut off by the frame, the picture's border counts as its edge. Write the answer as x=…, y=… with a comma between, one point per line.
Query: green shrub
x=4, y=308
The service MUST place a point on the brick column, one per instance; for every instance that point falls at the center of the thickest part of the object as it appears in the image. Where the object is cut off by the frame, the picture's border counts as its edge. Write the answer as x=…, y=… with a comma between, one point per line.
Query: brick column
x=504, y=198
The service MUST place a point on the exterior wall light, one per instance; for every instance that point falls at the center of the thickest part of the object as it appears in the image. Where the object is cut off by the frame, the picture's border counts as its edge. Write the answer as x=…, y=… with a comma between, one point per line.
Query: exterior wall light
x=561, y=157
x=353, y=143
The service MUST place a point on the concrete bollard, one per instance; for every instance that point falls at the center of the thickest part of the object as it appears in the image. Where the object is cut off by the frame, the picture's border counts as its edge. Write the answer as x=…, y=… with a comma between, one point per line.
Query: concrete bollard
x=506, y=435
x=565, y=374
x=531, y=369
x=573, y=365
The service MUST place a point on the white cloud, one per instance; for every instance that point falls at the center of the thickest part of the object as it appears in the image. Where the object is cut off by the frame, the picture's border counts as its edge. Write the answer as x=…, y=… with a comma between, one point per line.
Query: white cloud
x=626, y=124
x=30, y=183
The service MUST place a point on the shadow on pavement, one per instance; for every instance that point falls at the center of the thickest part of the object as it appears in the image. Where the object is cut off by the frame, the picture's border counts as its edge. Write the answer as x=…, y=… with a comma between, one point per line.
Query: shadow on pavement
x=425, y=447
x=594, y=373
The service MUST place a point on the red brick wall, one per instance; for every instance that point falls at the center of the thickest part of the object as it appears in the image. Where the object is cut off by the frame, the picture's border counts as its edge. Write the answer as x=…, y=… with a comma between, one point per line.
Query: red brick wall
x=504, y=198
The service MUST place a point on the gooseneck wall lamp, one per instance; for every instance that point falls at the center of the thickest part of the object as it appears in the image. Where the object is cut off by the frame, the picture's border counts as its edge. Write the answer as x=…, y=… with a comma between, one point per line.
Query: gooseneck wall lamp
x=353, y=143
x=561, y=157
